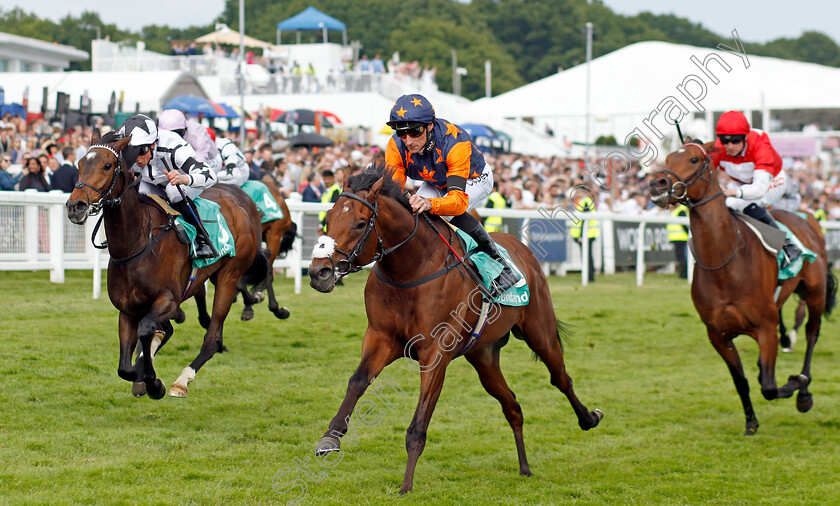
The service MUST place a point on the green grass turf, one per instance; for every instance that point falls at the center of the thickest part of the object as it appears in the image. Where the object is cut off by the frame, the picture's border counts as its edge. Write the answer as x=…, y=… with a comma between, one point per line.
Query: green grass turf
x=71, y=432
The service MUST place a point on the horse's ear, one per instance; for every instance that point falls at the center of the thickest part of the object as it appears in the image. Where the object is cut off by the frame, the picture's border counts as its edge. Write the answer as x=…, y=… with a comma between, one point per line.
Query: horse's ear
x=120, y=144
x=709, y=146
x=378, y=185
x=94, y=137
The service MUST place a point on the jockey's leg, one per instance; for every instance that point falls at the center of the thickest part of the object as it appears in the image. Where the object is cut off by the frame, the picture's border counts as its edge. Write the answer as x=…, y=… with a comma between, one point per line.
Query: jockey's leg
x=790, y=250
x=203, y=244
x=507, y=278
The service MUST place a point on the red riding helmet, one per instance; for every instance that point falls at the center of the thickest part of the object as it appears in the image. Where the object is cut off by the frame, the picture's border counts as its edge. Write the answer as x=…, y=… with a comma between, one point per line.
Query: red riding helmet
x=732, y=123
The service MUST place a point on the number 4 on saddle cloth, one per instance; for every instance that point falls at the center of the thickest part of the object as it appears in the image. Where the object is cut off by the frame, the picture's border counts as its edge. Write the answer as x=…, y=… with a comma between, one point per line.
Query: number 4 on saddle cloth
x=489, y=269
x=261, y=195
x=217, y=228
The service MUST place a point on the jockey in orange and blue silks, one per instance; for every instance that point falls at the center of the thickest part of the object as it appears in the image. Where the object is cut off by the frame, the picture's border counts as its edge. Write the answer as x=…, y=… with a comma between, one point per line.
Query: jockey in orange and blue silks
x=456, y=177
x=755, y=169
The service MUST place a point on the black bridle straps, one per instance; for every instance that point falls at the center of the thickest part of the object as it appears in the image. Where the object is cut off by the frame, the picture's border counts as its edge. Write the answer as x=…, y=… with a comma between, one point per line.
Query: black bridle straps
x=697, y=175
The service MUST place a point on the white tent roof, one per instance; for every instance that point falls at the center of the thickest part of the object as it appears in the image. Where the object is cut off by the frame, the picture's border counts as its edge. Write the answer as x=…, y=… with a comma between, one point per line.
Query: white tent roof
x=149, y=89
x=635, y=79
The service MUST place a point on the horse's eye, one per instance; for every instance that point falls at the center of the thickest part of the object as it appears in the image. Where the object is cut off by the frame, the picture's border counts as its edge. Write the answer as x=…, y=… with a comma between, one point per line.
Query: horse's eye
x=695, y=160
x=108, y=166
x=359, y=225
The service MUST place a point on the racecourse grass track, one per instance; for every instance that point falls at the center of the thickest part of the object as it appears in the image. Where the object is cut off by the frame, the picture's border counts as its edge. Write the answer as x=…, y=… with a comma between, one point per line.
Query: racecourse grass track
x=71, y=432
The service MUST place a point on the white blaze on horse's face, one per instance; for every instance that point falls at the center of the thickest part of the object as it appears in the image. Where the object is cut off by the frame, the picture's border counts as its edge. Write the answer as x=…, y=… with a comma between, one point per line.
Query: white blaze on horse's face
x=681, y=150
x=90, y=156
x=324, y=248
x=346, y=208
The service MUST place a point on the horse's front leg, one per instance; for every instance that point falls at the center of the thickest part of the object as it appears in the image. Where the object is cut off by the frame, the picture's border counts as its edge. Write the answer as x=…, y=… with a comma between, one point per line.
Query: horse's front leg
x=378, y=350
x=149, y=331
x=431, y=384
x=726, y=349
x=768, y=349
x=128, y=342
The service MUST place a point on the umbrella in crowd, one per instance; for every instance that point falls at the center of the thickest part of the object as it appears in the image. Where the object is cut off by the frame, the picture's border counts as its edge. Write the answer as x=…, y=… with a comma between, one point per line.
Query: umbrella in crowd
x=192, y=105
x=310, y=140
x=303, y=117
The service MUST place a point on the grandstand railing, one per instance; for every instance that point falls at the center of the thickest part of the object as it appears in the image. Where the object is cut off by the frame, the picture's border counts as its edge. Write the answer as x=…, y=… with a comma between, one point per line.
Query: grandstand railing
x=35, y=234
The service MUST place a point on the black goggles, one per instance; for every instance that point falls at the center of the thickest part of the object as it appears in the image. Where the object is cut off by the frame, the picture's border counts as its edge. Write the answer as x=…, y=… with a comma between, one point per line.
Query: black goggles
x=142, y=150
x=731, y=139
x=412, y=132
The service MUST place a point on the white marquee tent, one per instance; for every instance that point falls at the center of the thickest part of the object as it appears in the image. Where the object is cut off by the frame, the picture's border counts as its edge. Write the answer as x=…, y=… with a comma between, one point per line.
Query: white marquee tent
x=627, y=84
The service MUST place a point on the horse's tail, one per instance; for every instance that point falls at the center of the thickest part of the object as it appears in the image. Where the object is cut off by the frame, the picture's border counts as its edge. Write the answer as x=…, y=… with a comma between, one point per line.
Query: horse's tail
x=258, y=273
x=830, y=292
x=288, y=239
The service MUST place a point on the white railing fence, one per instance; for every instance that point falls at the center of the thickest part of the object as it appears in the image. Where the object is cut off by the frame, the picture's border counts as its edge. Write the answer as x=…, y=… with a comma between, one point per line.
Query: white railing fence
x=35, y=234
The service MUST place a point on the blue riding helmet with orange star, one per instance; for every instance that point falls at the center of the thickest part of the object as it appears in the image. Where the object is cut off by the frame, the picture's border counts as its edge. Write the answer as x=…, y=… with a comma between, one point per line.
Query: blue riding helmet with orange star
x=448, y=160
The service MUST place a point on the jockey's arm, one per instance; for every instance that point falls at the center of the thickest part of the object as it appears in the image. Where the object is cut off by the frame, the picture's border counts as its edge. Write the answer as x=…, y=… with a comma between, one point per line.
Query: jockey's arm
x=200, y=175
x=758, y=188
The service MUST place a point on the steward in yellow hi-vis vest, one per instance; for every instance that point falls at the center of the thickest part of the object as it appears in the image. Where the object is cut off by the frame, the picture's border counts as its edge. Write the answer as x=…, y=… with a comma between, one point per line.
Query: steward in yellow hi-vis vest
x=330, y=195
x=678, y=235
x=494, y=201
x=584, y=205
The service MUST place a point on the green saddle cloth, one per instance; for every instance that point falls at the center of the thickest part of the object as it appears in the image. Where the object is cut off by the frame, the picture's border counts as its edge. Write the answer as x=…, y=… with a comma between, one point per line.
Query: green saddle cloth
x=217, y=228
x=794, y=267
x=261, y=195
x=489, y=269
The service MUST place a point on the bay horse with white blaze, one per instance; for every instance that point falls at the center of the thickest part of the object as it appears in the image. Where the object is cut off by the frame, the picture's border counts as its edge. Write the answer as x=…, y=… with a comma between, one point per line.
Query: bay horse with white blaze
x=735, y=278
x=417, y=306
x=149, y=270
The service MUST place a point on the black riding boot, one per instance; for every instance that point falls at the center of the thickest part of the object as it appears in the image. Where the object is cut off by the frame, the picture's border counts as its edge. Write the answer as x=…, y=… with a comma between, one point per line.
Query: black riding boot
x=790, y=250
x=203, y=245
x=507, y=278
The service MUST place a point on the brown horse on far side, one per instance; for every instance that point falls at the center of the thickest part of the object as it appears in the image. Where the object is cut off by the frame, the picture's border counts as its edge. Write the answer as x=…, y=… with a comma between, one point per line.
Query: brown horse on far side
x=735, y=278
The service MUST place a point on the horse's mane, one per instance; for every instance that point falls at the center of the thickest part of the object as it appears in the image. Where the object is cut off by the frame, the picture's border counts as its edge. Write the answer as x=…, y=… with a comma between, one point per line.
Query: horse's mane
x=364, y=181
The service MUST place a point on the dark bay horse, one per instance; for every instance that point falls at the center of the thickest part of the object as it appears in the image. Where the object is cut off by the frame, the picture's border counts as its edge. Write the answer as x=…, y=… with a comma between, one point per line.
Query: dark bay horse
x=278, y=236
x=149, y=270
x=735, y=277
x=431, y=322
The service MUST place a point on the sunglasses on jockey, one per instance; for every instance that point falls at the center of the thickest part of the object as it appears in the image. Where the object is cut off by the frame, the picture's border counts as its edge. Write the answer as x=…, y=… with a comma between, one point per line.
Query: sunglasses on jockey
x=731, y=139
x=412, y=130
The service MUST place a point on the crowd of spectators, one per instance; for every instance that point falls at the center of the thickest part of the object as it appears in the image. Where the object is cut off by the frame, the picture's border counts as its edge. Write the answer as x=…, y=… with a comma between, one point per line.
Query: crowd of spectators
x=43, y=157
x=40, y=156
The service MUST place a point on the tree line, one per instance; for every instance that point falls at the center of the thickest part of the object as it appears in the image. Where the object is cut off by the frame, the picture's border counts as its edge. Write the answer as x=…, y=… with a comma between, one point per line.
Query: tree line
x=525, y=40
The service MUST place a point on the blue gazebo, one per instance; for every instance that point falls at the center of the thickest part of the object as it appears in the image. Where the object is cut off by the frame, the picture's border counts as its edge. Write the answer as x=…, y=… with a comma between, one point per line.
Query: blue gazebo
x=311, y=19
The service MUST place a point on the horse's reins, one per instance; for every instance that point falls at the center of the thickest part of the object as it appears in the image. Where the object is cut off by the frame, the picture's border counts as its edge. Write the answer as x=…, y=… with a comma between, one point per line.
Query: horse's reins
x=698, y=176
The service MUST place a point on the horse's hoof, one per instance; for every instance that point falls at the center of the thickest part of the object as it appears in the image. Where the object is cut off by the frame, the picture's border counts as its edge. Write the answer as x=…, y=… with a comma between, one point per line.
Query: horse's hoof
x=247, y=314
x=138, y=389
x=157, y=391
x=804, y=402
x=595, y=419
x=784, y=342
x=178, y=390
x=281, y=313
x=327, y=444
x=525, y=472
x=752, y=427
x=180, y=316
